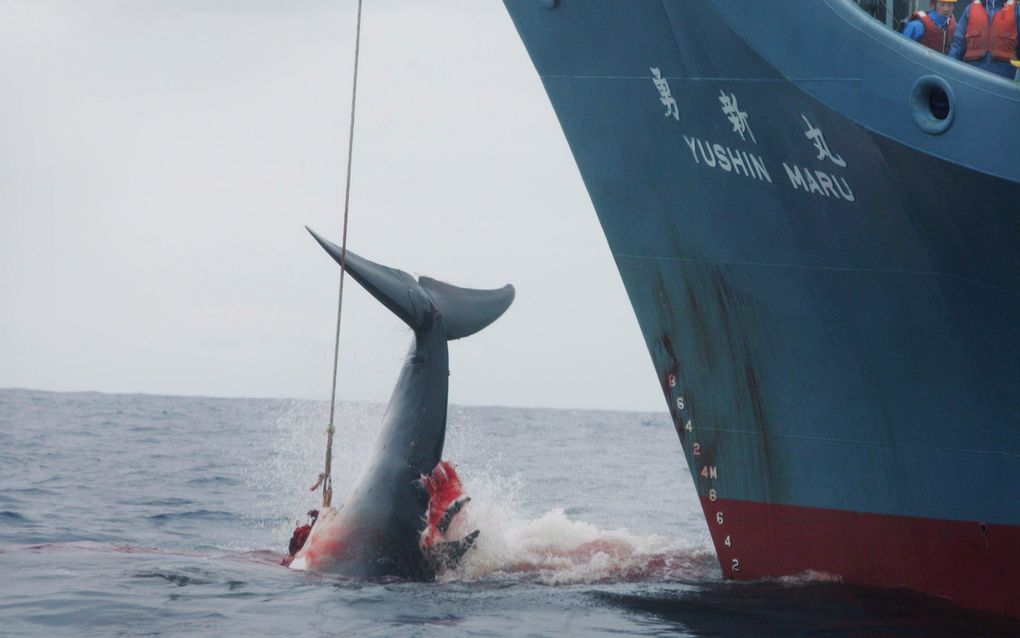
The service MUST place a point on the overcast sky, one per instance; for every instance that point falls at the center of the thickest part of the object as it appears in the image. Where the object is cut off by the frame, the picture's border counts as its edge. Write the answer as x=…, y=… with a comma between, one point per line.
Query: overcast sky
x=159, y=160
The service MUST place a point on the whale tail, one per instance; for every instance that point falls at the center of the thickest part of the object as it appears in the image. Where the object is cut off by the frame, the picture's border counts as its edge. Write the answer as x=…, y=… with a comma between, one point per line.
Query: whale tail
x=465, y=311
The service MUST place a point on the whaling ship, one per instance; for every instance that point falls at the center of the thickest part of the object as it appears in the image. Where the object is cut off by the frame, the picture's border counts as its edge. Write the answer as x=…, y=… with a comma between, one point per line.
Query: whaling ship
x=817, y=222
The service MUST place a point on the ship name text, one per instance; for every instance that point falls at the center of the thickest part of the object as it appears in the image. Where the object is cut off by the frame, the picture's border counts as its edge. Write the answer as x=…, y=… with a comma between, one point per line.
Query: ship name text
x=819, y=182
x=745, y=162
x=728, y=159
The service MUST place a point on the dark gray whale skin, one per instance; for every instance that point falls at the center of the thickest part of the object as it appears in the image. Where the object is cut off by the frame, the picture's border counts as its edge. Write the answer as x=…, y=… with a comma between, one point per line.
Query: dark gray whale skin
x=376, y=532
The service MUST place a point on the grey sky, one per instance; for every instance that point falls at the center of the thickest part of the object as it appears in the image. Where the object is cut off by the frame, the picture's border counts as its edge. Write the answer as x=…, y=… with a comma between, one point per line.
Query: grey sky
x=158, y=161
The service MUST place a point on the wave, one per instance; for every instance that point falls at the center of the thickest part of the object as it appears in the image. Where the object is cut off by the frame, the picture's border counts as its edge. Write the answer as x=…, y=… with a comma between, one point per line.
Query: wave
x=13, y=518
x=219, y=515
x=213, y=480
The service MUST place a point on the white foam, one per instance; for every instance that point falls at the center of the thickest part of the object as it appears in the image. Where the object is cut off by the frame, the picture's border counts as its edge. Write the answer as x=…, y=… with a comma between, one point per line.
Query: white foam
x=808, y=577
x=555, y=550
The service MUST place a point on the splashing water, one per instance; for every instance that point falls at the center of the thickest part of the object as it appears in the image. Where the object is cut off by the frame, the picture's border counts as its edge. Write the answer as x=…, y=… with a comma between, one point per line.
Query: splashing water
x=516, y=541
x=555, y=550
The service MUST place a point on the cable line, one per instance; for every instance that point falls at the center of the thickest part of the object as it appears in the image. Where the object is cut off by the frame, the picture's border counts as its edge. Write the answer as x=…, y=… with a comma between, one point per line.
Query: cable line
x=326, y=477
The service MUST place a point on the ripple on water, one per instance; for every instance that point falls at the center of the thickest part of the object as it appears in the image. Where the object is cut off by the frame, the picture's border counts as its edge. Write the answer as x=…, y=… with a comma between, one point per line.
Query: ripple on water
x=213, y=480
x=180, y=580
x=34, y=492
x=193, y=515
x=14, y=518
x=158, y=502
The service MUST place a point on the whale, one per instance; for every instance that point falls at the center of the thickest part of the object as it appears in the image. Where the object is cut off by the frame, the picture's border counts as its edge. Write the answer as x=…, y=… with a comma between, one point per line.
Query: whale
x=395, y=520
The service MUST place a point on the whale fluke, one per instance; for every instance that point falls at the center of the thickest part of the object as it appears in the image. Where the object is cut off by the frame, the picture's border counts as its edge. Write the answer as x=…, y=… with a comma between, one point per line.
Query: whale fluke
x=465, y=311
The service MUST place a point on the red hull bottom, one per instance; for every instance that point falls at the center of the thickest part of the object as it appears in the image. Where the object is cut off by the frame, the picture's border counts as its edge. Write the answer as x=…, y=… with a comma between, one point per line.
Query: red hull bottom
x=974, y=564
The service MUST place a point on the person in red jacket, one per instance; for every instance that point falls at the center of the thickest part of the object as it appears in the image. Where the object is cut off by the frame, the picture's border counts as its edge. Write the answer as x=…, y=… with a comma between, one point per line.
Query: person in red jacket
x=987, y=35
x=935, y=28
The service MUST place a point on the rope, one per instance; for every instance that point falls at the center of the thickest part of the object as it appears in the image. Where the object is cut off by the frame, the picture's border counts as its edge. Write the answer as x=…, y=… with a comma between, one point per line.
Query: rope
x=327, y=482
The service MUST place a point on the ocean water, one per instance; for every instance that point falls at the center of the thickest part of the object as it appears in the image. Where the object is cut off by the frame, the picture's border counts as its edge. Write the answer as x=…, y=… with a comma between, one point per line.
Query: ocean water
x=149, y=515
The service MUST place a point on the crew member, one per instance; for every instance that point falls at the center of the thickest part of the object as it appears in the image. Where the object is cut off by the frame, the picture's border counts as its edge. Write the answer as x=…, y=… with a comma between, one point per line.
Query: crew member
x=935, y=28
x=987, y=34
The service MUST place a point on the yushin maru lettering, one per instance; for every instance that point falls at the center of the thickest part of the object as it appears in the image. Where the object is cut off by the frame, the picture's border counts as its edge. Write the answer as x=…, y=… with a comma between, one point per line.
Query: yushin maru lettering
x=728, y=159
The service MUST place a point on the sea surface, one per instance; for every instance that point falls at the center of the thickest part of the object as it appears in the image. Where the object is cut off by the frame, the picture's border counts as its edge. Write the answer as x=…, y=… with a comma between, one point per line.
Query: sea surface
x=150, y=515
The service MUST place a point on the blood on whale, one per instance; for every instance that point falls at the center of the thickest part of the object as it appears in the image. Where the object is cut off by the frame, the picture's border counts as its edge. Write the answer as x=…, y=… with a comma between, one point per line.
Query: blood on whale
x=445, y=490
x=394, y=520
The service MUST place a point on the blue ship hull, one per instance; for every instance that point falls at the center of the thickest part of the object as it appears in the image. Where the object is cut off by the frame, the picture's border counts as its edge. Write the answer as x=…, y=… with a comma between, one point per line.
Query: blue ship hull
x=817, y=222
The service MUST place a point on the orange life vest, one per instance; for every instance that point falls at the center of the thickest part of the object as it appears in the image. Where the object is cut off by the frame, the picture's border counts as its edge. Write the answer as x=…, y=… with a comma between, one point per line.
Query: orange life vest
x=997, y=35
x=934, y=37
